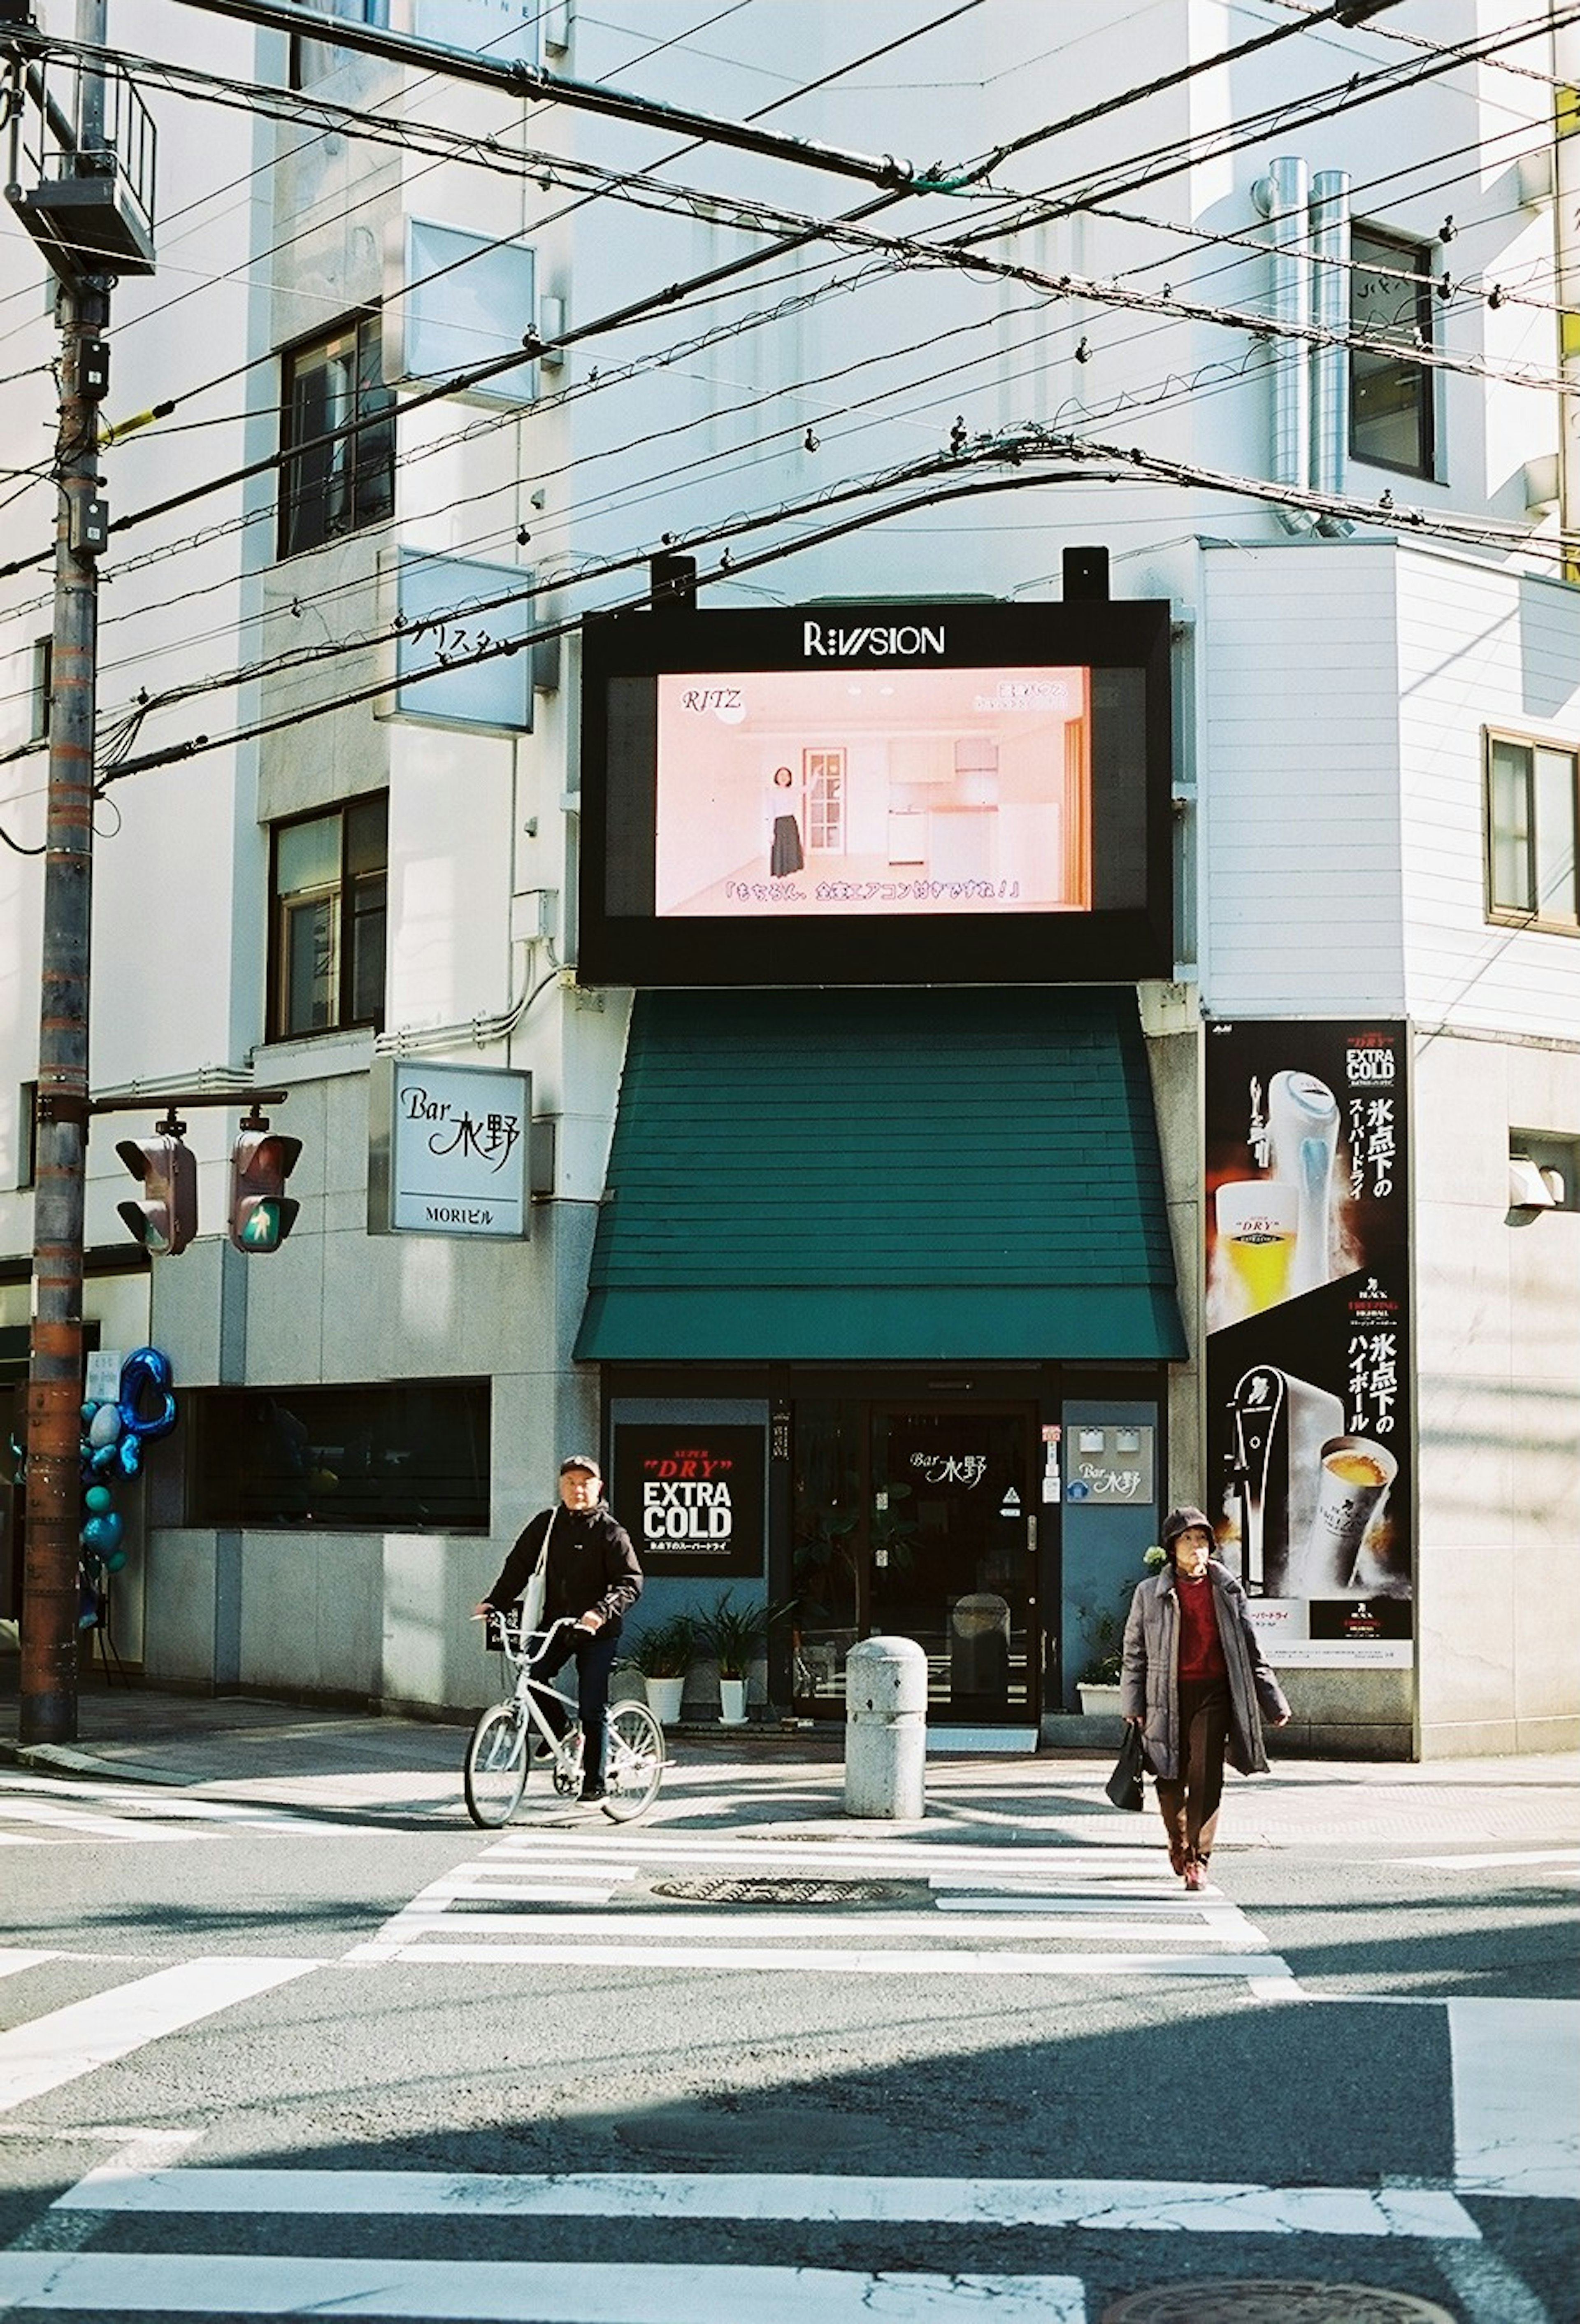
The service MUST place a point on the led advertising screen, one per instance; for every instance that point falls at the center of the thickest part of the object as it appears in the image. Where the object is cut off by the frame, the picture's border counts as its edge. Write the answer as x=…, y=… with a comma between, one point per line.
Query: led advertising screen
x=833, y=797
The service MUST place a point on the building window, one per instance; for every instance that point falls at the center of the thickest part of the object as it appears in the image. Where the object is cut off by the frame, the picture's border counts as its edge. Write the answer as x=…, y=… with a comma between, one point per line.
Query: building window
x=411, y=1456
x=332, y=483
x=1533, y=815
x=331, y=874
x=1391, y=314
x=312, y=59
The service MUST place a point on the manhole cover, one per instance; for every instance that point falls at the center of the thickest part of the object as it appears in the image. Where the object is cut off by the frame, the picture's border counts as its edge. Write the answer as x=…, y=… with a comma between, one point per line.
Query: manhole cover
x=735, y=1891
x=1261, y=2302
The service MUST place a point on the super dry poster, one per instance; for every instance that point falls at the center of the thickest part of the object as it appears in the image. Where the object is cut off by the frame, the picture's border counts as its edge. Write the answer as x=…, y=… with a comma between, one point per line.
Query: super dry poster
x=691, y=1498
x=1308, y=1334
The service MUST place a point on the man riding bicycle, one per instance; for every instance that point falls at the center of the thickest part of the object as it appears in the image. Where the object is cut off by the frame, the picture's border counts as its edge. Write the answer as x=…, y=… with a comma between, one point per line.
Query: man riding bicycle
x=592, y=1577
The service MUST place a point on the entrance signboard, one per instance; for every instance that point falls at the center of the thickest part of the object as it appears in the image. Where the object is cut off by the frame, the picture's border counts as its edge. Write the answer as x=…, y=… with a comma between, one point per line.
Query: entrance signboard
x=1308, y=1334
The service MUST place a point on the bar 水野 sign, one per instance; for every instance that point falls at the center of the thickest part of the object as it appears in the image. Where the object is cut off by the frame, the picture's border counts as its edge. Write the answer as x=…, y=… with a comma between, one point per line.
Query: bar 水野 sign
x=690, y=1497
x=449, y=1149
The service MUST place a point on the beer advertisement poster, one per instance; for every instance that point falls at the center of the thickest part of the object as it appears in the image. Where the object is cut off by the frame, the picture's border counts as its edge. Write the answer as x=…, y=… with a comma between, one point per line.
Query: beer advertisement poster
x=1308, y=1333
x=691, y=1498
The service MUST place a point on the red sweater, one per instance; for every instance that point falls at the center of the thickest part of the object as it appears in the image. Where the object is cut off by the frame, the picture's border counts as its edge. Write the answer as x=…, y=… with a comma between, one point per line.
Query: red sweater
x=1201, y=1650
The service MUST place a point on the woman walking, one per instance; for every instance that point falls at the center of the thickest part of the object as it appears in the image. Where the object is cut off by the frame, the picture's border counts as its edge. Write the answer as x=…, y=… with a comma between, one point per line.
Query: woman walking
x=1195, y=1683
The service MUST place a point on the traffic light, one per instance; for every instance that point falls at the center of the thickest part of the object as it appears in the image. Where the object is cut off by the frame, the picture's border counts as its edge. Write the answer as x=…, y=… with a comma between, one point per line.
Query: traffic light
x=166, y=1219
x=262, y=1213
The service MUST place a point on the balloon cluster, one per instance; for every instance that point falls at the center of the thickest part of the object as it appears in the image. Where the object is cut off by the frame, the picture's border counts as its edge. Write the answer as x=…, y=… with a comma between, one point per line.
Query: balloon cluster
x=113, y=1432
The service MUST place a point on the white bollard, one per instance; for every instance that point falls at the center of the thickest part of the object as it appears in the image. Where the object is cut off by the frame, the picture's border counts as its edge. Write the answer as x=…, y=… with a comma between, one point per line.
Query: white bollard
x=885, y=1729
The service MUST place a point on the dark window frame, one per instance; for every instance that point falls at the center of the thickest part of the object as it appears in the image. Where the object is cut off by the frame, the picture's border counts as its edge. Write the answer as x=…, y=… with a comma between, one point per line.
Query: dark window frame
x=1414, y=261
x=351, y=898
x=332, y=486
x=342, y=1457
x=1502, y=911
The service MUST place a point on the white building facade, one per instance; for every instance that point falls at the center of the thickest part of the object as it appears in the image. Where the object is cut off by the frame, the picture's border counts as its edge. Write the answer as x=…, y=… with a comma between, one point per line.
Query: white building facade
x=354, y=659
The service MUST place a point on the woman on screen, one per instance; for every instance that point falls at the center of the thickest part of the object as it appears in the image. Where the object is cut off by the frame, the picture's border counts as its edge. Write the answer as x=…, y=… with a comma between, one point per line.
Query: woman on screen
x=784, y=849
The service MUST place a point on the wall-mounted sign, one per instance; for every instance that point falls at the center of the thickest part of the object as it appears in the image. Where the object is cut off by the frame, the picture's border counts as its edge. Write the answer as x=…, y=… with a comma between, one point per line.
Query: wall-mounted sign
x=448, y=1150
x=1109, y=1464
x=690, y=1496
x=1308, y=1333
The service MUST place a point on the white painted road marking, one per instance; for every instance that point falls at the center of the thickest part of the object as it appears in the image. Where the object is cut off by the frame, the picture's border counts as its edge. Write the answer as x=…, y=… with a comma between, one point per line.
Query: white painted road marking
x=1564, y=1856
x=86, y=2035
x=14, y=1958
x=1263, y=1966
x=1516, y=2097
x=1045, y=1894
x=1125, y=2205
x=702, y=1920
x=515, y=2292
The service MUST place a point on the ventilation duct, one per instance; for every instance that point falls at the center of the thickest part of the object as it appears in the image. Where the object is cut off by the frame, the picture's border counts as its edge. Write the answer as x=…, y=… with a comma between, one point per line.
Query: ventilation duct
x=1284, y=198
x=1330, y=359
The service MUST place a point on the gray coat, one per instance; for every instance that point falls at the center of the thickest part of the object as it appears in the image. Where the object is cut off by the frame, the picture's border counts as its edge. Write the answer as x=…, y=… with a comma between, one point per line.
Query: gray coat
x=1149, y=1685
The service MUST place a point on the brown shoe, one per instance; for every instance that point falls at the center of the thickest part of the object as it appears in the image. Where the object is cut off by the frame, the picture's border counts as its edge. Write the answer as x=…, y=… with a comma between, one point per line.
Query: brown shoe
x=1178, y=1858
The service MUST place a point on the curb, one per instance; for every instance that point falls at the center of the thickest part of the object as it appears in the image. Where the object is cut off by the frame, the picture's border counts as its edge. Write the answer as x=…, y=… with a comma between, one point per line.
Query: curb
x=60, y=1759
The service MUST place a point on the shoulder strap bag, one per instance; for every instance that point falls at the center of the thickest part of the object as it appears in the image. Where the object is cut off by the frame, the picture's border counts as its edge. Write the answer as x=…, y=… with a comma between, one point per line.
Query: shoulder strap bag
x=536, y=1584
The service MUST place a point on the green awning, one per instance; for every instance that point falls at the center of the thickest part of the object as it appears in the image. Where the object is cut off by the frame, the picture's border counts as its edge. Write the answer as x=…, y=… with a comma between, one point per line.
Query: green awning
x=883, y=1177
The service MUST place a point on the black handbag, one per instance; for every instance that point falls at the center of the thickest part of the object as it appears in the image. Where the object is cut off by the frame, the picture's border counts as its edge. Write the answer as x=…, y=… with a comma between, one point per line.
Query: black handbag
x=1123, y=1787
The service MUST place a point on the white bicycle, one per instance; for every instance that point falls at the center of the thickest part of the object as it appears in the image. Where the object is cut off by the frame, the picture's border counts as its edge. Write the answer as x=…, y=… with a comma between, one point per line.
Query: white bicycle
x=514, y=1735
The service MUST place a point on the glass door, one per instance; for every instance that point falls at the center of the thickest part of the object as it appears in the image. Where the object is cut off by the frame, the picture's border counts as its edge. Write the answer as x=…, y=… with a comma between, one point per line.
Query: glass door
x=951, y=1555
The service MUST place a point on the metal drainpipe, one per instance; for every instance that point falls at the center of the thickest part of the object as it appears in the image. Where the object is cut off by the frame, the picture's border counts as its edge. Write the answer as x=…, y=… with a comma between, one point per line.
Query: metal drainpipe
x=1283, y=198
x=1330, y=406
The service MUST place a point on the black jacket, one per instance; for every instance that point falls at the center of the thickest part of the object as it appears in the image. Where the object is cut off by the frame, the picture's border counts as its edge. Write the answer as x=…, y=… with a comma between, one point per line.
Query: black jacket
x=592, y=1566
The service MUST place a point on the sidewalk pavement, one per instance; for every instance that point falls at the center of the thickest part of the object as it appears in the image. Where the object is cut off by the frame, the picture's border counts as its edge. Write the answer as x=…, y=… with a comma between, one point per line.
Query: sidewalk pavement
x=246, y=1748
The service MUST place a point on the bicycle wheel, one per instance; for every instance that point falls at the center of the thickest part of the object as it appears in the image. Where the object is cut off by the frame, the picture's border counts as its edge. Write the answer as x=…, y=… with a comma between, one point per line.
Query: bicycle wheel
x=496, y=1765
x=636, y=1765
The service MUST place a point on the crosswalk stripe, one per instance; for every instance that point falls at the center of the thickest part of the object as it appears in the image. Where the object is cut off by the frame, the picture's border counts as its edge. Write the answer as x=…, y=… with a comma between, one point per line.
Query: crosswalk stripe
x=57, y=2048
x=811, y=1923
x=1265, y=1968
x=1124, y=2205
x=516, y=2291
x=14, y=1958
x=1053, y=1894
x=1516, y=2096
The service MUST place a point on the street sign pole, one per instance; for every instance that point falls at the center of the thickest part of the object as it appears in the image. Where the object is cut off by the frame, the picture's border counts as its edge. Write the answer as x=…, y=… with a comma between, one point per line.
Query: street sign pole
x=48, y=1710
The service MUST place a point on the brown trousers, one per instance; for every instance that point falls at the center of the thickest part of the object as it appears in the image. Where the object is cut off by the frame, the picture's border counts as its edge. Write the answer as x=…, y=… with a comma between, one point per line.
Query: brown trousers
x=1189, y=1803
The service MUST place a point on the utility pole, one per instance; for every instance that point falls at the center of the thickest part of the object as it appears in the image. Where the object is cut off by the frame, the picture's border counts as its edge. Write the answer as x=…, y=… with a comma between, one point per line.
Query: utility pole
x=55, y=1370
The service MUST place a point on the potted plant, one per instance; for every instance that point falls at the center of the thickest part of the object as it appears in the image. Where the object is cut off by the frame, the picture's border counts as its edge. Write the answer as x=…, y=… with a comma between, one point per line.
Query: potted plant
x=734, y=1636
x=1098, y=1683
x=664, y=1654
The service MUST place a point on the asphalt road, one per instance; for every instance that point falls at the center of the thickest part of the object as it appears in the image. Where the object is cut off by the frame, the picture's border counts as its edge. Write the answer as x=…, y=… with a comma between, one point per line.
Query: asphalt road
x=750, y=2060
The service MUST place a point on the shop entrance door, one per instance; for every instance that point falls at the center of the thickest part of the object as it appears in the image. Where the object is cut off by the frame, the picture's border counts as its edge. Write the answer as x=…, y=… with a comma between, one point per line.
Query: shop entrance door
x=951, y=1555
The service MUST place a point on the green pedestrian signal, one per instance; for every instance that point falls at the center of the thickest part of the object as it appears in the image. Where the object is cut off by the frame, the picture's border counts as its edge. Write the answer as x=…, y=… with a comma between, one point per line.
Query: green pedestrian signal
x=262, y=1213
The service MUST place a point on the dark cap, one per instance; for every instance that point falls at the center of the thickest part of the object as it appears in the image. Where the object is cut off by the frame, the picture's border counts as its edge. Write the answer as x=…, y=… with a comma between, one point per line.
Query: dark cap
x=580, y=1461
x=1178, y=1521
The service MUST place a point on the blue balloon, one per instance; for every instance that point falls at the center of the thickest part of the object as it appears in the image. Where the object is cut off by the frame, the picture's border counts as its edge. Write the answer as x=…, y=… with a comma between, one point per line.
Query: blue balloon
x=104, y=1427
x=115, y=1561
x=129, y=1454
x=98, y=1499
x=88, y=1410
x=105, y=1458
x=146, y=1369
x=103, y=1534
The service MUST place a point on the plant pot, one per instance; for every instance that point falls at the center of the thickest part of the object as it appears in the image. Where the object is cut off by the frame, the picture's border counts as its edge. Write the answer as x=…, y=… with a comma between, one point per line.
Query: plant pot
x=663, y=1699
x=1098, y=1701
x=732, y=1701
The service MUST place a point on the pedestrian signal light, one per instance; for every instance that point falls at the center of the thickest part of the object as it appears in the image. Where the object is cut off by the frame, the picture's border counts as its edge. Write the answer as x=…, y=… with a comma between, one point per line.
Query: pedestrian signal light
x=262, y=1213
x=166, y=1218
